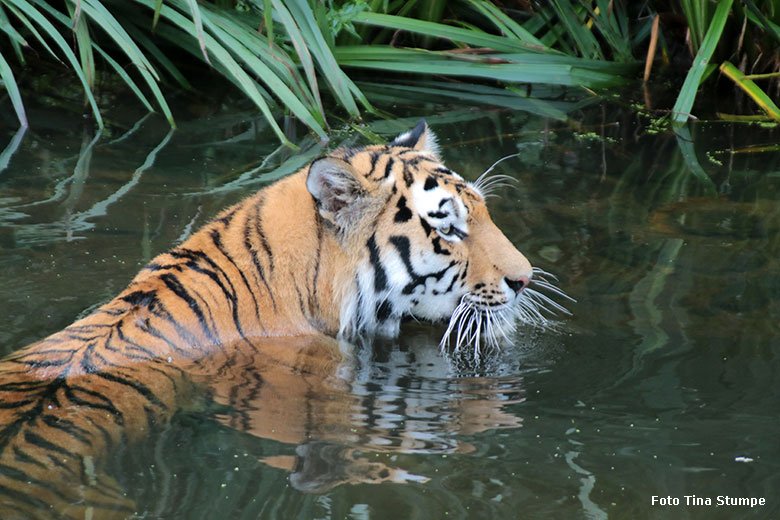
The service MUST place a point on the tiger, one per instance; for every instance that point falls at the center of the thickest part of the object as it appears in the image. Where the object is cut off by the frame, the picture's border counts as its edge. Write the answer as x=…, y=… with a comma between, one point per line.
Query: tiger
x=349, y=247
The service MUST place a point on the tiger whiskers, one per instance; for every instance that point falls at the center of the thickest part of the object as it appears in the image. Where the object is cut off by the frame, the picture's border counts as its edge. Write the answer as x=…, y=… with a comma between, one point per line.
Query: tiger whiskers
x=480, y=327
x=486, y=183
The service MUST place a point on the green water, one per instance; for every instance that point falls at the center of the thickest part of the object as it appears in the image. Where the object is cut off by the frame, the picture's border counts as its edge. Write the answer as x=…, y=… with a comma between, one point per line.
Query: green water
x=665, y=381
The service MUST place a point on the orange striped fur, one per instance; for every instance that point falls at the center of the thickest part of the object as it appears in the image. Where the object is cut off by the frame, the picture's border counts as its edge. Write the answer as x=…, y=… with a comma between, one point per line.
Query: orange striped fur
x=349, y=246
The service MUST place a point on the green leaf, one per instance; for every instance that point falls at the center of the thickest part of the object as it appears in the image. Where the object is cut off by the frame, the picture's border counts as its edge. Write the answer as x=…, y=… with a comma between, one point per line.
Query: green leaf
x=339, y=82
x=697, y=14
x=302, y=49
x=757, y=17
x=504, y=23
x=40, y=20
x=682, y=107
x=125, y=77
x=197, y=20
x=261, y=70
x=470, y=37
x=536, y=70
x=475, y=94
x=685, y=143
x=84, y=43
x=154, y=51
x=156, y=18
x=9, y=82
x=30, y=27
x=223, y=61
x=752, y=90
x=17, y=41
x=579, y=31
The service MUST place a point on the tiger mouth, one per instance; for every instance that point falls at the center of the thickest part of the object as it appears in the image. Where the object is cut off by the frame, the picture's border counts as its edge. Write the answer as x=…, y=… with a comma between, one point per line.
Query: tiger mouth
x=478, y=323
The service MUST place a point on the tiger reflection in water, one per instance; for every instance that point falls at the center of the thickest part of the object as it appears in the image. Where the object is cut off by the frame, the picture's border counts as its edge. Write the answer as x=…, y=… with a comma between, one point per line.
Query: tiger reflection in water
x=346, y=248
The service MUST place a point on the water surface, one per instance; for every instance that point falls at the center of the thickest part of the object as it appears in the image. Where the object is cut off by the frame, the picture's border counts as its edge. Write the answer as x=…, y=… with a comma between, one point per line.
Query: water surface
x=665, y=381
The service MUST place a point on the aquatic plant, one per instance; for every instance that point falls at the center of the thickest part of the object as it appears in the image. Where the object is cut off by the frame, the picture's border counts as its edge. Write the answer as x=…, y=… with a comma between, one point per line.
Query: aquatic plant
x=291, y=53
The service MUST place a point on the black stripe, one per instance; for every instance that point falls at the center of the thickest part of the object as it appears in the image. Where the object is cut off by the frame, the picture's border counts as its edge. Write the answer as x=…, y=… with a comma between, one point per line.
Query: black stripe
x=101, y=401
x=380, y=277
x=140, y=298
x=27, y=498
x=374, y=158
x=38, y=441
x=313, y=301
x=131, y=345
x=135, y=385
x=437, y=247
x=388, y=167
x=404, y=214
x=68, y=427
x=426, y=227
x=175, y=286
x=229, y=217
x=384, y=310
x=258, y=221
x=86, y=359
x=301, y=306
x=5, y=405
x=253, y=253
x=403, y=246
x=185, y=334
x=24, y=457
x=217, y=240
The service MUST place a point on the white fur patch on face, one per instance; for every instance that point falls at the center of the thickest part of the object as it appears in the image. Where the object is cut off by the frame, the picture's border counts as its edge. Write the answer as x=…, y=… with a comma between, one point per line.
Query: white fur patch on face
x=443, y=210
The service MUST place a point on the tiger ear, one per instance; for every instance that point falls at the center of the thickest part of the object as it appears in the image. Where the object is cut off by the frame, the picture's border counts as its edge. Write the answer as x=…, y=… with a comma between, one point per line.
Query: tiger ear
x=337, y=191
x=421, y=137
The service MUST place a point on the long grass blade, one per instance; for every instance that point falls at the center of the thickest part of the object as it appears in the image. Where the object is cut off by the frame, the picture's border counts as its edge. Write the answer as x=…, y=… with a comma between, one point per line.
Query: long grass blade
x=435, y=90
x=301, y=48
x=682, y=107
x=156, y=17
x=223, y=62
x=261, y=70
x=504, y=23
x=41, y=21
x=585, y=41
x=17, y=40
x=84, y=43
x=470, y=37
x=697, y=14
x=685, y=144
x=330, y=69
x=125, y=77
x=535, y=70
x=757, y=17
x=198, y=22
x=31, y=27
x=9, y=82
x=751, y=89
x=162, y=59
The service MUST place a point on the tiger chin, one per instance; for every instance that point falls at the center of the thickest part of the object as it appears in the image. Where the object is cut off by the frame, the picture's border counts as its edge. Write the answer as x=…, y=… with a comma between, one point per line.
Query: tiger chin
x=350, y=246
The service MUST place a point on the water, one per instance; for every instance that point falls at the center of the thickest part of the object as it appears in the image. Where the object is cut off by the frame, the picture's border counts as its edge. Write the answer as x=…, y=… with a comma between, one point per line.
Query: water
x=664, y=382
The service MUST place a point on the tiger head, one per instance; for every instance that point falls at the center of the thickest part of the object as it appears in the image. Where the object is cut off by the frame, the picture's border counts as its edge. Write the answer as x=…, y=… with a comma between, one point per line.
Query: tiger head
x=422, y=241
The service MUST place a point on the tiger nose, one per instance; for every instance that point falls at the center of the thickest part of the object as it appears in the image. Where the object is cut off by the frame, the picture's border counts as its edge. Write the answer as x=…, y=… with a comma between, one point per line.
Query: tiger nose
x=518, y=284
